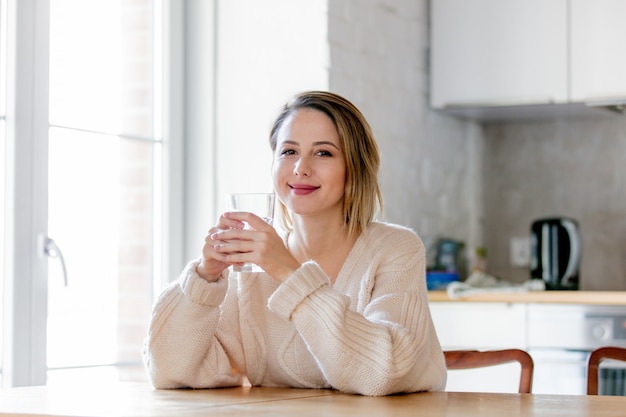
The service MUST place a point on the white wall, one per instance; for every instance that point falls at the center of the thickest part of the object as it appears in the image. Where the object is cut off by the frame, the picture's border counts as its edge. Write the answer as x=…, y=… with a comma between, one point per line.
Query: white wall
x=266, y=51
x=244, y=58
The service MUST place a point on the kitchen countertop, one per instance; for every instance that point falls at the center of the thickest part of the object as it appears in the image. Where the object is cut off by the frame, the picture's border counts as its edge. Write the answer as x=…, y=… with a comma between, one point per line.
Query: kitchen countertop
x=552, y=297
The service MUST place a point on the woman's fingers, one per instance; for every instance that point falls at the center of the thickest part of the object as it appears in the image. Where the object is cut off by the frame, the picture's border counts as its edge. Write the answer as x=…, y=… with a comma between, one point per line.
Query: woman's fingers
x=240, y=237
x=243, y=218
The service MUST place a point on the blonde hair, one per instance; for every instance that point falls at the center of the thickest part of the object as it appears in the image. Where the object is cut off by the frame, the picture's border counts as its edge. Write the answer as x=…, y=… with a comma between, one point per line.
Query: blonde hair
x=362, y=196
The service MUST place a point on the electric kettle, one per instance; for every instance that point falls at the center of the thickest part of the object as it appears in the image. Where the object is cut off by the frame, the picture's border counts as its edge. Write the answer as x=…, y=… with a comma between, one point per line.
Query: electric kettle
x=555, y=252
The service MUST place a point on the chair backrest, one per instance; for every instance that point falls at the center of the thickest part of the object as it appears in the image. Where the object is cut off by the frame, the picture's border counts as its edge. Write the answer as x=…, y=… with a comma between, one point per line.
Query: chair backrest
x=593, y=364
x=467, y=359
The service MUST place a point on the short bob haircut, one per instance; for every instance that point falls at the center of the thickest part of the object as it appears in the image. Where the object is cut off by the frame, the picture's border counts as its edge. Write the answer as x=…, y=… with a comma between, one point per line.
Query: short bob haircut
x=362, y=197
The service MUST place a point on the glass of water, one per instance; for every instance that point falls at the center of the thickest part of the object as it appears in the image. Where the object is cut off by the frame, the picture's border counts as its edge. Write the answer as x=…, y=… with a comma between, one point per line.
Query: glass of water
x=261, y=204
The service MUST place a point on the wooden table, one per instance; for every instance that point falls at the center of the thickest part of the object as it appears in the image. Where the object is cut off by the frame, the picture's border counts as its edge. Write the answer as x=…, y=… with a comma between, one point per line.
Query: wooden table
x=131, y=400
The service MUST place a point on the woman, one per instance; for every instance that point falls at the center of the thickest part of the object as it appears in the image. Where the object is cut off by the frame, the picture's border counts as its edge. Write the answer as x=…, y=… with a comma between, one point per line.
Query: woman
x=342, y=302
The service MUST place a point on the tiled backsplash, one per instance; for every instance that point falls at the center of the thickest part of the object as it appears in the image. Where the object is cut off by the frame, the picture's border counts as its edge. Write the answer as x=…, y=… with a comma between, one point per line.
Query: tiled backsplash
x=574, y=168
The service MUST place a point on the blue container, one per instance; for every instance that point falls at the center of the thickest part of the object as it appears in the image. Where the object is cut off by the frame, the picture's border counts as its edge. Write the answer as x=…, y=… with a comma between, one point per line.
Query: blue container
x=439, y=280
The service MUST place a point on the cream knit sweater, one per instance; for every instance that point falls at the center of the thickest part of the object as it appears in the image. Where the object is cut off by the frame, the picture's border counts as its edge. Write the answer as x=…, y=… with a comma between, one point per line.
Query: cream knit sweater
x=370, y=333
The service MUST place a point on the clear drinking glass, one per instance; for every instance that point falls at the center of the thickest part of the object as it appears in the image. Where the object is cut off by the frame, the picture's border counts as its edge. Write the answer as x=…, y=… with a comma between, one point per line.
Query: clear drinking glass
x=261, y=204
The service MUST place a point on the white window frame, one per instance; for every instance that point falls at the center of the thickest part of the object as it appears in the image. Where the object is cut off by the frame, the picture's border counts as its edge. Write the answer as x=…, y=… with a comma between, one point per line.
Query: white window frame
x=25, y=301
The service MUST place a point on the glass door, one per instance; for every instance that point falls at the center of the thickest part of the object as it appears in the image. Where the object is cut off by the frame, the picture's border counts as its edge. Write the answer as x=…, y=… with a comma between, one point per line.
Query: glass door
x=103, y=182
x=84, y=146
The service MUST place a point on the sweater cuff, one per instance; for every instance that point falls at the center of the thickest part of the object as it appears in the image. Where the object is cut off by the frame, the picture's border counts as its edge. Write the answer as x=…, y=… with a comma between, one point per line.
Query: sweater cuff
x=201, y=291
x=302, y=283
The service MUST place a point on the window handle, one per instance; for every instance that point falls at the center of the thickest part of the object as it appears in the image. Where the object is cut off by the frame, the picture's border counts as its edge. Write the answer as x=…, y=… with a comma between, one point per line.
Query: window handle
x=51, y=249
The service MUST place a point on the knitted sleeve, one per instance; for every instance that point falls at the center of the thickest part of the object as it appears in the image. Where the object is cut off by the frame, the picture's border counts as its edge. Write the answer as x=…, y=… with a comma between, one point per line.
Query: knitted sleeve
x=389, y=345
x=182, y=348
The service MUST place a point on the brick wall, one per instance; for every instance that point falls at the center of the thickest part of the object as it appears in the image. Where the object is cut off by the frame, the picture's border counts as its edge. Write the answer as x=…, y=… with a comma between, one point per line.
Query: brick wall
x=431, y=164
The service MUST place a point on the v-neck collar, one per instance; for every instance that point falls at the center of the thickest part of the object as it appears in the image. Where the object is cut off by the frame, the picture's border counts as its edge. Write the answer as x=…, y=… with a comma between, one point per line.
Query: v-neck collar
x=351, y=259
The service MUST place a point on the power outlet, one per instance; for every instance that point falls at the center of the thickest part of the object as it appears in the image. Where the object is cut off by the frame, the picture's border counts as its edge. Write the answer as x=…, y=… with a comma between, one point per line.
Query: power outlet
x=520, y=251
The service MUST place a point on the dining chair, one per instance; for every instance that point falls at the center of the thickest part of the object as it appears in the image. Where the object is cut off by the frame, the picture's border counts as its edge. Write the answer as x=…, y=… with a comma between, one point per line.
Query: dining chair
x=468, y=359
x=593, y=364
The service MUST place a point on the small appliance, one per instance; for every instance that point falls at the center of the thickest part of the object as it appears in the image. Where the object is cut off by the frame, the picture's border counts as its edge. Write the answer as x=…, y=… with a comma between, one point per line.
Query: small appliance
x=451, y=257
x=555, y=252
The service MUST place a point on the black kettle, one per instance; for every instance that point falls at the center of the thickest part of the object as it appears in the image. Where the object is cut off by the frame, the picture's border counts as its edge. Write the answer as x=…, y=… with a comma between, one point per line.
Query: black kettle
x=555, y=253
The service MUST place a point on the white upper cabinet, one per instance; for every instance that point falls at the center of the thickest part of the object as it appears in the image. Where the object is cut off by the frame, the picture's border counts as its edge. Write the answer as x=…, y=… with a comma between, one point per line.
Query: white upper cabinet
x=518, y=54
x=498, y=52
x=598, y=54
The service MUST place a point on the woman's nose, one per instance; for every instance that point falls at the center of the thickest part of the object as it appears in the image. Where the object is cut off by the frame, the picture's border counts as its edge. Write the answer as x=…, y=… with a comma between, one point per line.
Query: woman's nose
x=302, y=168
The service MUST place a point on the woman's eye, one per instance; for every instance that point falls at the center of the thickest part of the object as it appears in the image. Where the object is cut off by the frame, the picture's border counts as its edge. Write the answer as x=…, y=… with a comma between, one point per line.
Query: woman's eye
x=288, y=152
x=324, y=153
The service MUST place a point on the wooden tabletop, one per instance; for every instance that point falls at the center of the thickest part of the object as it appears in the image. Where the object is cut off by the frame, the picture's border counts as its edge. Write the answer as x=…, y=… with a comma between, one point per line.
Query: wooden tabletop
x=132, y=400
x=555, y=297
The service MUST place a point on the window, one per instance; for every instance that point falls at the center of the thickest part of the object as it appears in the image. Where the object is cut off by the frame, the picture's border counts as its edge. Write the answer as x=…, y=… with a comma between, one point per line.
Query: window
x=104, y=151
x=103, y=141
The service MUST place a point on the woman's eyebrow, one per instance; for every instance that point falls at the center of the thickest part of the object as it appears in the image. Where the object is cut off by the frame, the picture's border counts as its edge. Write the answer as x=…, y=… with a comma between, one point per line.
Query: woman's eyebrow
x=325, y=142
x=317, y=143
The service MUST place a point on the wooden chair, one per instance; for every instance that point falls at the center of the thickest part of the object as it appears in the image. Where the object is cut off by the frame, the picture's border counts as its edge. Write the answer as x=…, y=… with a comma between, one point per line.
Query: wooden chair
x=468, y=359
x=593, y=364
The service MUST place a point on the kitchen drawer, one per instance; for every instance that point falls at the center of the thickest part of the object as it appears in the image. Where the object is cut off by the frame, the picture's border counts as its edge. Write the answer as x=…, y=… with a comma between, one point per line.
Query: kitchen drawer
x=480, y=325
x=575, y=327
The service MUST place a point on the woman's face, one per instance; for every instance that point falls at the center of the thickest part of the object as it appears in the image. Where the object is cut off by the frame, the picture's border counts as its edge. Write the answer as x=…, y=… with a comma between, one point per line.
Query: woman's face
x=309, y=168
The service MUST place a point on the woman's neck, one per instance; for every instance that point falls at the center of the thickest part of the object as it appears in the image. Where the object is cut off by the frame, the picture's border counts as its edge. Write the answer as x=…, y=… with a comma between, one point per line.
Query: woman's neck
x=327, y=243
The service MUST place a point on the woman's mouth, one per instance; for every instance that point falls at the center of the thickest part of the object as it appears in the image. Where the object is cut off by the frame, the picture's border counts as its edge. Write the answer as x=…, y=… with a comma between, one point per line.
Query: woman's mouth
x=302, y=189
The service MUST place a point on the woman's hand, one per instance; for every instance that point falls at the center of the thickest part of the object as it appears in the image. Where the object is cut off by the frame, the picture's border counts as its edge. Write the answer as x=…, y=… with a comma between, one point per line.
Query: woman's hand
x=259, y=244
x=213, y=263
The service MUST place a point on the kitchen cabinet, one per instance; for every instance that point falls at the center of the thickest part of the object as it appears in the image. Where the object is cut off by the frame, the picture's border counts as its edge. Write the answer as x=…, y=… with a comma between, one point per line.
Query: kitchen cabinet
x=498, y=54
x=598, y=61
x=558, y=335
x=480, y=325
